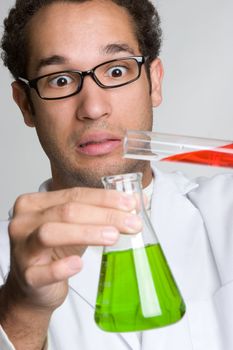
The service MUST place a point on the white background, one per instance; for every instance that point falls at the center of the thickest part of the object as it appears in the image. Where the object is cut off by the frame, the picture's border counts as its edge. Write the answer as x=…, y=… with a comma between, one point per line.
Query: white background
x=198, y=93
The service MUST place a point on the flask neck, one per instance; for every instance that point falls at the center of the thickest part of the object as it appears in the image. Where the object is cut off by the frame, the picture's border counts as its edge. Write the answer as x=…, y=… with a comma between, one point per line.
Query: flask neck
x=129, y=183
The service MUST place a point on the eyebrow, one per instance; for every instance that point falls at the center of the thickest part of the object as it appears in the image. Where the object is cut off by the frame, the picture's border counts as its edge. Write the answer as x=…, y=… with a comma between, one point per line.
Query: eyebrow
x=49, y=61
x=118, y=47
x=108, y=49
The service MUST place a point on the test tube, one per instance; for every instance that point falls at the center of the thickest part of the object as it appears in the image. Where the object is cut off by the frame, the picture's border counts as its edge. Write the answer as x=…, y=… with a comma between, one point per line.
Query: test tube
x=154, y=146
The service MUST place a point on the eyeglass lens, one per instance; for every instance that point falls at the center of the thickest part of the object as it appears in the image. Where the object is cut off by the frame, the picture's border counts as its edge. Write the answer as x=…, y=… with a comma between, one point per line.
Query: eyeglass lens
x=109, y=74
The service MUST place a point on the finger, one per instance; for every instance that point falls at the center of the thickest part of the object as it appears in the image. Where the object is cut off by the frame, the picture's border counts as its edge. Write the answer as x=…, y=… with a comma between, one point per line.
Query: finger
x=57, y=271
x=53, y=235
x=72, y=238
x=75, y=213
x=99, y=197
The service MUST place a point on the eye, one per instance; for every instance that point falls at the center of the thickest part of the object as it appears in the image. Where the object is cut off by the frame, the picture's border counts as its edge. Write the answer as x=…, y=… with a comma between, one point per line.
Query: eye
x=117, y=72
x=60, y=81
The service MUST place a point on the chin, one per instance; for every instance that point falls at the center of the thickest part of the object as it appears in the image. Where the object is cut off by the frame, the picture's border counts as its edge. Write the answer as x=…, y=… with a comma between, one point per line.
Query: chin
x=91, y=176
x=89, y=173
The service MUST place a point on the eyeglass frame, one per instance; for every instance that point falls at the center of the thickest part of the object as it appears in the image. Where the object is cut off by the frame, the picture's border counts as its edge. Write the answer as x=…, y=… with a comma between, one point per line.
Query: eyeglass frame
x=32, y=83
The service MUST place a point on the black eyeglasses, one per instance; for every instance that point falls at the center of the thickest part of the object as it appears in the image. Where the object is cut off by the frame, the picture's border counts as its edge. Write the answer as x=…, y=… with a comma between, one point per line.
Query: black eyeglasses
x=107, y=75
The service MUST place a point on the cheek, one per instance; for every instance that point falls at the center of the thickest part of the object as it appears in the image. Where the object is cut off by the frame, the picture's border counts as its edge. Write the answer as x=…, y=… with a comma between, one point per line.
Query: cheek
x=134, y=106
x=52, y=115
x=52, y=126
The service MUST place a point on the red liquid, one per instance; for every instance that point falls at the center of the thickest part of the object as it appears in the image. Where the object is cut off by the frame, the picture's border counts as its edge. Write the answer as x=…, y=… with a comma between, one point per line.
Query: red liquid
x=205, y=157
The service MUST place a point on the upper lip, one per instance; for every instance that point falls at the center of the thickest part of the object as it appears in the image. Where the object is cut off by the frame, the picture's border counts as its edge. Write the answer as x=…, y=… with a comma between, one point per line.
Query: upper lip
x=97, y=137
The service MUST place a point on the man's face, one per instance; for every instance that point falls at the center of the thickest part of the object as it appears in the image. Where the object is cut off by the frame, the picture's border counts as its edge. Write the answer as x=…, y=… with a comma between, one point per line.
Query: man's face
x=82, y=135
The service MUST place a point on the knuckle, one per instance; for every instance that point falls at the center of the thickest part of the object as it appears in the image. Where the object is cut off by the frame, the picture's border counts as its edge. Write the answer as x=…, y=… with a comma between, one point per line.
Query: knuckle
x=84, y=195
x=44, y=234
x=77, y=193
x=14, y=230
x=111, y=217
x=67, y=212
x=12, y=227
x=20, y=203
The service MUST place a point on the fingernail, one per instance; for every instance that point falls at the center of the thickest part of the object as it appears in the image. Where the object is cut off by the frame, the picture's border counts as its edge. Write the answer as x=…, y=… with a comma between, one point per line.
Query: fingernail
x=134, y=223
x=109, y=235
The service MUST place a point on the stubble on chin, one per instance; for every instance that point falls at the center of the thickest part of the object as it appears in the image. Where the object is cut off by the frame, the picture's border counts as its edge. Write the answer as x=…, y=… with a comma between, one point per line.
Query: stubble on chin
x=91, y=177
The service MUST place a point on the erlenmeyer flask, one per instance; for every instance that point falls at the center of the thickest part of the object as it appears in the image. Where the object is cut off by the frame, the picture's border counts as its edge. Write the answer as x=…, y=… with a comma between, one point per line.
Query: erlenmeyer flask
x=136, y=288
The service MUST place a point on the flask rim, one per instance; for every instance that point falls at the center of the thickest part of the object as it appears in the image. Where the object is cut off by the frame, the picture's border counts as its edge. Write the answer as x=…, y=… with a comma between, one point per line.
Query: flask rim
x=137, y=176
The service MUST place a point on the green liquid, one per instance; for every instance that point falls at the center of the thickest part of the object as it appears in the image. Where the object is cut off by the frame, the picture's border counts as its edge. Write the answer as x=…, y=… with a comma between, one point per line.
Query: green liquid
x=137, y=291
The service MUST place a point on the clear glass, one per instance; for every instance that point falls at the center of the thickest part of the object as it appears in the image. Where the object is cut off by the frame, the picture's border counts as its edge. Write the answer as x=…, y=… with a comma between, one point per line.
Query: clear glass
x=155, y=146
x=136, y=288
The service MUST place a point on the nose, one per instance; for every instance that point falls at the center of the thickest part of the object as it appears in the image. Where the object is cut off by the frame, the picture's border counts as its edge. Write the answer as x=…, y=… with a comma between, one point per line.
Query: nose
x=93, y=101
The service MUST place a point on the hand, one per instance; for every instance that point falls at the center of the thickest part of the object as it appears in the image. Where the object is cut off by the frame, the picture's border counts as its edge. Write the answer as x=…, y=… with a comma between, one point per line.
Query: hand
x=49, y=233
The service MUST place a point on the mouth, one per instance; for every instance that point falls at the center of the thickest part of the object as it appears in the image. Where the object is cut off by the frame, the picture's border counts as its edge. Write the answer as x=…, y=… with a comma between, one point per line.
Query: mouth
x=98, y=144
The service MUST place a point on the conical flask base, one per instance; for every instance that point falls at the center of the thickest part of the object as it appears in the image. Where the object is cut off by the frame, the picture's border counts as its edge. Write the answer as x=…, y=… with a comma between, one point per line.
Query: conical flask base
x=126, y=304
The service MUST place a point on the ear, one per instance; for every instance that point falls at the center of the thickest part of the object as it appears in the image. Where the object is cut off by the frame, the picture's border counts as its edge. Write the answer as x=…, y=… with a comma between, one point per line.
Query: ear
x=156, y=73
x=22, y=100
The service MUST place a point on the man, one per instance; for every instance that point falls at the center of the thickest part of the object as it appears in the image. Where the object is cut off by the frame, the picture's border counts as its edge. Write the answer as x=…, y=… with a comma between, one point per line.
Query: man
x=80, y=114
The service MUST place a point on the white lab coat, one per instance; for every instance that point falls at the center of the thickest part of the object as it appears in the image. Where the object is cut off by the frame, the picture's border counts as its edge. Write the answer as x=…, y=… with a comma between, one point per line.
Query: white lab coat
x=194, y=224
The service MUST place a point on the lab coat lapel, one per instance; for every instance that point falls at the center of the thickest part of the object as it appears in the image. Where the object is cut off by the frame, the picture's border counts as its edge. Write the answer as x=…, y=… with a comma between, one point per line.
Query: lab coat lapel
x=182, y=235
x=85, y=284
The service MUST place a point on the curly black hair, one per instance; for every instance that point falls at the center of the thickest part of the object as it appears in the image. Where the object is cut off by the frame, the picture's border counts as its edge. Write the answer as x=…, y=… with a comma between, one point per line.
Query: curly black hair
x=14, y=43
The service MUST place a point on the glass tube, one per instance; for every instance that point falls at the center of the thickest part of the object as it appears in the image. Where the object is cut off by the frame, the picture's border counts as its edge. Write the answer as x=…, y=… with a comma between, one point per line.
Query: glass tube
x=153, y=146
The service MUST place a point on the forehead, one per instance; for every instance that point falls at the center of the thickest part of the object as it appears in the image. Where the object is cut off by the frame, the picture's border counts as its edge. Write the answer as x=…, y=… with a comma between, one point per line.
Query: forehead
x=81, y=33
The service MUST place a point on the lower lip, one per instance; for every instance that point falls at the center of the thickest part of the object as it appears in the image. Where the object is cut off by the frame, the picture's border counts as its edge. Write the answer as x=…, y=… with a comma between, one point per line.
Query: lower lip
x=99, y=149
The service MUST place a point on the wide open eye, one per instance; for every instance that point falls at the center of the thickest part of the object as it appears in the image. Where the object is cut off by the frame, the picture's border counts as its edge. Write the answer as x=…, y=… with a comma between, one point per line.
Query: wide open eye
x=60, y=81
x=117, y=72
x=59, y=84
